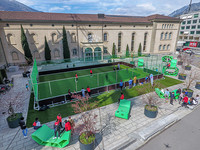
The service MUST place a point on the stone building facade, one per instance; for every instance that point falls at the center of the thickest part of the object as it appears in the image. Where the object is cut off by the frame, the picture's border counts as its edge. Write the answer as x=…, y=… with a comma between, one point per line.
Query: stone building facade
x=90, y=36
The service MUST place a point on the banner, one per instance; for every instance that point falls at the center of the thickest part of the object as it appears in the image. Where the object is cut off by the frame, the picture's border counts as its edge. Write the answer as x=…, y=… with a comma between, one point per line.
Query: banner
x=193, y=44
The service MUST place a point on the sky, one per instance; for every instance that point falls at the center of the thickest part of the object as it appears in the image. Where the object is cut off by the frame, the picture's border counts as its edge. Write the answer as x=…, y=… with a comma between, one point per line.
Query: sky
x=115, y=7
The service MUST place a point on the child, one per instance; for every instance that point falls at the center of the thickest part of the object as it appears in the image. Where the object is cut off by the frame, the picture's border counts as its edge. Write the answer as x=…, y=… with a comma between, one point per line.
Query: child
x=56, y=129
x=121, y=97
x=36, y=124
x=69, y=95
x=91, y=72
x=181, y=96
x=134, y=81
x=23, y=127
x=59, y=118
x=71, y=123
x=27, y=87
x=89, y=91
x=146, y=79
x=118, y=67
x=166, y=95
x=121, y=85
x=83, y=92
x=130, y=83
x=76, y=79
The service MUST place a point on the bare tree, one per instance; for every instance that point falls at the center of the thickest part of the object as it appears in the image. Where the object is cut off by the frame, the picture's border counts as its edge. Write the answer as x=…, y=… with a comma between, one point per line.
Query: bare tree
x=192, y=77
x=11, y=104
x=88, y=118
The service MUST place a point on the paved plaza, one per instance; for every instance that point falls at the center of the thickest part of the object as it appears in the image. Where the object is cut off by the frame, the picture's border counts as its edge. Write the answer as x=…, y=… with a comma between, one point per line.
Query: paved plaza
x=114, y=133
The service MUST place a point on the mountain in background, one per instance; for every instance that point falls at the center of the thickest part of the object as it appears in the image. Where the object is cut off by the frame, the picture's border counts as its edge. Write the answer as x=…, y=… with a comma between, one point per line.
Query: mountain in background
x=12, y=5
x=183, y=10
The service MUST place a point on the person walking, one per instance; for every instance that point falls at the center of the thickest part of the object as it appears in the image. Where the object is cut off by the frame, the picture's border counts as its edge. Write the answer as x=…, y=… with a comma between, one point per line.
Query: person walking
x=130, y=82
x=23, y=127
x=121, y=85
x=76, y=77
x=171, y=97
x=56, y=129
x=27, y=87
x=83, y=92
x=134, y=81
x=91, y=72
x=118, y=67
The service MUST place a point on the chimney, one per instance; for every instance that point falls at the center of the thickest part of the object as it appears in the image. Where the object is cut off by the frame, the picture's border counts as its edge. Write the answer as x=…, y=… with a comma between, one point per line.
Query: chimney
x=101, y=16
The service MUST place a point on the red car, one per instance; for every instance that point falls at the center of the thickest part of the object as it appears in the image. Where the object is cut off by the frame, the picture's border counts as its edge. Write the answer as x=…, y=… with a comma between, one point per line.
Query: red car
x=184, y=49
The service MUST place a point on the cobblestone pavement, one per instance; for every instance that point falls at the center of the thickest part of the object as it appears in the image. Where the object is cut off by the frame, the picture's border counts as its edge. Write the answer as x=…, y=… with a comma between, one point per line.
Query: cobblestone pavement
x=113, y=129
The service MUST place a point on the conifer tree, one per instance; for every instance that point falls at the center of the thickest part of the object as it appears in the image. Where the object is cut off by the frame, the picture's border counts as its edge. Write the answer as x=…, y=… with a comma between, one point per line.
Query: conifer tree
x=114, y=51
x=25, y=46
x=66, y=52
x=140, y=50
x=127, y=51
x=47, y=50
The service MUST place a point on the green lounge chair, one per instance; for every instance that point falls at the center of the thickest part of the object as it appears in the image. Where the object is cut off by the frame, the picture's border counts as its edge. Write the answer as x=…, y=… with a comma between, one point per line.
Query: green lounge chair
x=124, y=109
x=44, y=136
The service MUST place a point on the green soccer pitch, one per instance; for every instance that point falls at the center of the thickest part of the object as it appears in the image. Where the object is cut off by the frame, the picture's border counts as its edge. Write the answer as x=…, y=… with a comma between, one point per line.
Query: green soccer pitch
x=59, y=83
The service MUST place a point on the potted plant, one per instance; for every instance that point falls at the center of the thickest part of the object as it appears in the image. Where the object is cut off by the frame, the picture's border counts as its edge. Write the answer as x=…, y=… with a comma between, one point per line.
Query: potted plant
x=197, y=86
x=188, y=62
x=9, y=105
x=86, y=129
x=192, y=76
x=150, y=99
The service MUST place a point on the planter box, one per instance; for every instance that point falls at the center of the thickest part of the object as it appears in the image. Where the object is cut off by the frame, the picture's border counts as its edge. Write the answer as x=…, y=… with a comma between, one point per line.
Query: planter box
x=197, y=86
x=189, y=94
x=150, y=114
x=188, y=67
x=87, y=146
x=181, y=77
x=179, y=63
x=14, y=123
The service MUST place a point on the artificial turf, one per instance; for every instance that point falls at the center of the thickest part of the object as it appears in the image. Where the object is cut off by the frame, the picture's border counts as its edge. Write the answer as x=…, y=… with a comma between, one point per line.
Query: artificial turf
x=102, y=100
x=59, y=83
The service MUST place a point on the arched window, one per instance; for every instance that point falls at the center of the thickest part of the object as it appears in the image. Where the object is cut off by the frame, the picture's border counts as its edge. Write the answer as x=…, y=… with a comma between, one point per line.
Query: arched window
x=10, y=38
x=36, y=54
x=56, y=53
x=163, y=26
x=34, y=39
x=161, y=36
x=88, y=54
x=90, y=37
x=164, y=47
x=105, y=37
x=168, y=47
x=15, y=56
x=54, y=38
x=74, y=52
x=97, y=53
x=160, y=47
x=170, y=36
x=145, y=42
x=132, y=41
x=166, y=35
x=119, y=41
x=167, y=26
x=73, y=38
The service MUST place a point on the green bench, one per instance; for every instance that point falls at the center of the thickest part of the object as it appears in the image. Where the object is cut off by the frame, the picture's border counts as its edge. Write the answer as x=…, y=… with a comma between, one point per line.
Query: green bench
x=44, y=136
x=124, y=109
x=161, y=94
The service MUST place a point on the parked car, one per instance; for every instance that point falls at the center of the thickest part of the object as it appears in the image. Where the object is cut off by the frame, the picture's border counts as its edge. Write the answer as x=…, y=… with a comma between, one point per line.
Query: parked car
x=189, y=52
x=184, y=49
x=178, y=49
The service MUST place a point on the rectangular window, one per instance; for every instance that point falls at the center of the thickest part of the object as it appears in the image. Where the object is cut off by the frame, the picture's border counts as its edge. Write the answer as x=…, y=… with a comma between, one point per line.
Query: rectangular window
x=183, y=27
x=197, y=32
x=145, y=42
x=184, y=22
x=105, y=50
x=119, y=42
x=181, y=32
x=191, y=32
x=194, y=21
x=189, y=22
x=198, y=26
x=199, y=20
x=187, y=27
x=193, y=27
x=196, y=15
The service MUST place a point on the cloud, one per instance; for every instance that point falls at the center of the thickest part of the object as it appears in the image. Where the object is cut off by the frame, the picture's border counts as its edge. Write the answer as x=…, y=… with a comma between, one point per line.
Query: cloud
x=146, y=6
x=56, y=9
x=67, y=7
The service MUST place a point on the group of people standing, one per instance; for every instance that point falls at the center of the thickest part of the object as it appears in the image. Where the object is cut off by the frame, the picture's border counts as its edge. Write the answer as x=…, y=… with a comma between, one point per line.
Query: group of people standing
x=183, y=98
x=58, y=127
